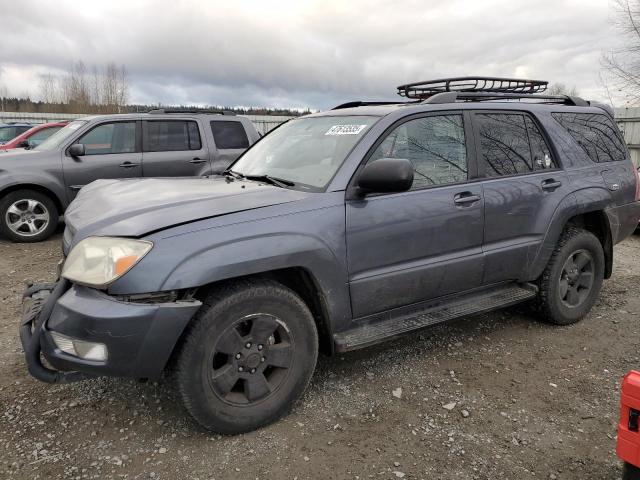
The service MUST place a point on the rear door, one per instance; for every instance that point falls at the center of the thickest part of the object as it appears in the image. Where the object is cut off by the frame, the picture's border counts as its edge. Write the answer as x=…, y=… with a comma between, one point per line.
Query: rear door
x=523, y=184
x=408, y=247
x=231, y=141
x=173, y=148
x=112, y=150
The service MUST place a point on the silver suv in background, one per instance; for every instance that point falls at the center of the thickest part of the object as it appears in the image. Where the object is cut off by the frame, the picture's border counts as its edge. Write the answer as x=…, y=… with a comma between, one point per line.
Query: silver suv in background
x=37, y=185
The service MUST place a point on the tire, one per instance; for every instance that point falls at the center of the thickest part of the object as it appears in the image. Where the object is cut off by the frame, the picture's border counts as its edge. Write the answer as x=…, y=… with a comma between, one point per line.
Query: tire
x=27, y=216
x=248, y=355
x=630, y=472
x=566, y=295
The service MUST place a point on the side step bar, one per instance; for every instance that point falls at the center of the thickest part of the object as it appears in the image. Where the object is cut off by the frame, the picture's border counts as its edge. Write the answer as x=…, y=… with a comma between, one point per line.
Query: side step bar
x=376, y=329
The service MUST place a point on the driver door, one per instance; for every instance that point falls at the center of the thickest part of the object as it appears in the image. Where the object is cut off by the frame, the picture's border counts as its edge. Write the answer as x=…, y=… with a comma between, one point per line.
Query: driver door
x=112, y=150
x=404, y=248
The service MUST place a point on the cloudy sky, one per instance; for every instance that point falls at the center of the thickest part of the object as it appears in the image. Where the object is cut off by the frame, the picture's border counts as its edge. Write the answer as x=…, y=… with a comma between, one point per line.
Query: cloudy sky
x=302, y=53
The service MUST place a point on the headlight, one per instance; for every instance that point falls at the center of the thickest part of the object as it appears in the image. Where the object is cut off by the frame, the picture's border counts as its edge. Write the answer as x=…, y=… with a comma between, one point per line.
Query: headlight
x=98, y=261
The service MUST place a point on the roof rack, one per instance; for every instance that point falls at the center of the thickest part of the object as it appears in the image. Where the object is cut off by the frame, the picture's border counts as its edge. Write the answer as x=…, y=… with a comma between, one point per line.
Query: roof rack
x=452, y=97
x=208, y=111
x=425, y=89
x=358, y=103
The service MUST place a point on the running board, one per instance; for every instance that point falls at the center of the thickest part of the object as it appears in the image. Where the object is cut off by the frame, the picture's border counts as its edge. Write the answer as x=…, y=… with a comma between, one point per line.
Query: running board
x=384, y=327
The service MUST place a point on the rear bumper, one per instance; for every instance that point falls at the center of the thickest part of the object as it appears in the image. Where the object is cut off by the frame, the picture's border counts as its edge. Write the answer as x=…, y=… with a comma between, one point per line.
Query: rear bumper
x=139, y=337
x=623, y=220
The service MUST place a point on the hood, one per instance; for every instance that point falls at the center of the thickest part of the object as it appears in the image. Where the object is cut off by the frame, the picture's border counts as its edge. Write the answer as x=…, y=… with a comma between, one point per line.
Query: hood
x=135, y=207
x=10, y=157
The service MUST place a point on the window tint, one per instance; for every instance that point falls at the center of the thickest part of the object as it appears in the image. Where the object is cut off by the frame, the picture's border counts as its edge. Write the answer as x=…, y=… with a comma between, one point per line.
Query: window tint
x=109, y=138
x=434, y=145
x=595, y=133
x=172, y=135
x=540, y=152
x=229, y=134
x=504, y=144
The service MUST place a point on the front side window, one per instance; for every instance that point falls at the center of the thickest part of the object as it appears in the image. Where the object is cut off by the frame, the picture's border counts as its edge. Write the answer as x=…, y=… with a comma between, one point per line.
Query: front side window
x=435, y=146
x=596, y=134
x=306, y=152
x=229, y=135
x=8, y=133
x=108, y=138
x=172, y=135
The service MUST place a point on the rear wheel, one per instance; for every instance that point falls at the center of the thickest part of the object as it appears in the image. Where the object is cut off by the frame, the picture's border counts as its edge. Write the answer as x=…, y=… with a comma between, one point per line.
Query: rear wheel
x=27, y=216
x=247, y=357
x=571, y=283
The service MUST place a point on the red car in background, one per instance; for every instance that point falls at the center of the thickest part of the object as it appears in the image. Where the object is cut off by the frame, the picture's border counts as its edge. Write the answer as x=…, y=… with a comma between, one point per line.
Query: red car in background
x=34, y=136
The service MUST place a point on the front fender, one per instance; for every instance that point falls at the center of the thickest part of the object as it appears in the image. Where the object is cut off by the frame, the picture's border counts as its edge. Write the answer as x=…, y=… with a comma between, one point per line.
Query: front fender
x=312, y=240
x=44, y=180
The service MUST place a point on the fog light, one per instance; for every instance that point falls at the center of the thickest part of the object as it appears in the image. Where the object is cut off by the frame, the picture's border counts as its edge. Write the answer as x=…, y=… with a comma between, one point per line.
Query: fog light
x=80, y=348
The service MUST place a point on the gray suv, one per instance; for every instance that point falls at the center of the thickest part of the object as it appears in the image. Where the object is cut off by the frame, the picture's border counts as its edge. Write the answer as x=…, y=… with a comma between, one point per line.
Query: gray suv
x=336, y=231
x=37, y=185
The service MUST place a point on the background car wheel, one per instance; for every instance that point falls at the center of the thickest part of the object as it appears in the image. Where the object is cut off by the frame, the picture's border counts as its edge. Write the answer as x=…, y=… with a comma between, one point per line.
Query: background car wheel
x=249, y=354
x=571, y=283
x=27, y=216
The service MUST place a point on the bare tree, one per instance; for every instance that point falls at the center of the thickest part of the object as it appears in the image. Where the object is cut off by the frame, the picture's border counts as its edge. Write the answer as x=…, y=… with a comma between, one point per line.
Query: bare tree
x=562, y=89
x=623, y=63
x=49, y=88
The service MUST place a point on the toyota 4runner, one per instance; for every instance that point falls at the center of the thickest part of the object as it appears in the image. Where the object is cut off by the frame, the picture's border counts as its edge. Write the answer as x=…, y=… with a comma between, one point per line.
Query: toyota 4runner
x=335, y=231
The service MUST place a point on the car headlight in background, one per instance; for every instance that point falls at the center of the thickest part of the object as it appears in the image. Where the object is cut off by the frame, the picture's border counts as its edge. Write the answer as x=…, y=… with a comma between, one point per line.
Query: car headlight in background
x=98, y=261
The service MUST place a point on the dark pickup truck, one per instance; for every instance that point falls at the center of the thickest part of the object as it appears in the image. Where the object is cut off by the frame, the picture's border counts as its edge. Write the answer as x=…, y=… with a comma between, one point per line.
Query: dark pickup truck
x=36, y=185
x=335, y=231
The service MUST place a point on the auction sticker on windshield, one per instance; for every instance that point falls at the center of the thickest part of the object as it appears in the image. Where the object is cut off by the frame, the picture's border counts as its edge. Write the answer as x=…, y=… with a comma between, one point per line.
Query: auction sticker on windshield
x=345, y=129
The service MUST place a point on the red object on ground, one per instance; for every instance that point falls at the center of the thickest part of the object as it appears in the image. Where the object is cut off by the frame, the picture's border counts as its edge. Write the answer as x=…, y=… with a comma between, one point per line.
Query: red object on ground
x=25, y=136
x=628, y=447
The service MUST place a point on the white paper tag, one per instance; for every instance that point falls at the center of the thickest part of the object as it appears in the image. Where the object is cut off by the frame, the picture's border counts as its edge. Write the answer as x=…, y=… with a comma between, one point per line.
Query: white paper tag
x=345, y=129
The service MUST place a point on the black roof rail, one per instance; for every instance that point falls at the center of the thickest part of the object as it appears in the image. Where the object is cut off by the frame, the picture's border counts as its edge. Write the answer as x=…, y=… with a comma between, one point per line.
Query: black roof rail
x=203, y=111
x=359, y=103
x=452, y=97
x=427, y=88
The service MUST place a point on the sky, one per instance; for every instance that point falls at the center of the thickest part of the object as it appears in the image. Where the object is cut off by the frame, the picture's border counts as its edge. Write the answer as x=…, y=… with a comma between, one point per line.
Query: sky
x=299, y=53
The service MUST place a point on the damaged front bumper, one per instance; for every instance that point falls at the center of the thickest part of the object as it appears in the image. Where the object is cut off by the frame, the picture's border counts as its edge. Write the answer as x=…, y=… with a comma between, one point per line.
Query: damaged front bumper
x=139, y=337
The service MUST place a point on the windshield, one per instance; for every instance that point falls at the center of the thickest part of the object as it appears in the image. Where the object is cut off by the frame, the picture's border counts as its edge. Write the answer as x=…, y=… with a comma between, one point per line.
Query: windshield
x=7, y=133
x=306, y=151
x=57, y=139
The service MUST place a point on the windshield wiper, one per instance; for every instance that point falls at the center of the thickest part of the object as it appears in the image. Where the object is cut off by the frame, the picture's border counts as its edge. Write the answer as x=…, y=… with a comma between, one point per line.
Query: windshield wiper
x=233, y=174
x=278, y=182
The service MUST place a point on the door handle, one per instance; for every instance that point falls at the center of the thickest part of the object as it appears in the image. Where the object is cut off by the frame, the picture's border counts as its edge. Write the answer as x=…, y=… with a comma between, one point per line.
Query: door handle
x=550, y=184
x=128, y=165
x=197, y=160
x=465, y=198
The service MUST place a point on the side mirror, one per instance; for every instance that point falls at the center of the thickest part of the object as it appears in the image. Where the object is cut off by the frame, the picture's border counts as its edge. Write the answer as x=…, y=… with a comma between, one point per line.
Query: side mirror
x=23, y=144
x=76, y=150
x=386, y=175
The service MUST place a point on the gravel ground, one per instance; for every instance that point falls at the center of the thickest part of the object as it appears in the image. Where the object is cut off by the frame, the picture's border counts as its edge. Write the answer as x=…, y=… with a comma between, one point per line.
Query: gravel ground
x=486, y=397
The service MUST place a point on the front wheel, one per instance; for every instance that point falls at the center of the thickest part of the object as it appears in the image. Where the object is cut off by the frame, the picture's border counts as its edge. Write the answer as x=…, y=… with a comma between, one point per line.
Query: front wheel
x=571, y=283
x=248, y=356
x=27, y=216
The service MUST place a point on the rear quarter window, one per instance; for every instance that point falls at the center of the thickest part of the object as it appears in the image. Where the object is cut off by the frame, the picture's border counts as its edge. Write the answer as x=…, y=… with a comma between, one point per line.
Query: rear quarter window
x=229, y=135
x=596, y=134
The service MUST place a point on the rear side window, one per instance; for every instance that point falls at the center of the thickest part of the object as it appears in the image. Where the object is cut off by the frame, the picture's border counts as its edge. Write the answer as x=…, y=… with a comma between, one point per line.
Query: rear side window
x=229, y=135
x=511, y=144
x=596, y=134
x=172, y=135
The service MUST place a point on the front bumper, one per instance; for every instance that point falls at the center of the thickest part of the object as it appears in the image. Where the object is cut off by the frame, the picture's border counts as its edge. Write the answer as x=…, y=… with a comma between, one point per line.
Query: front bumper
x=139, y=336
